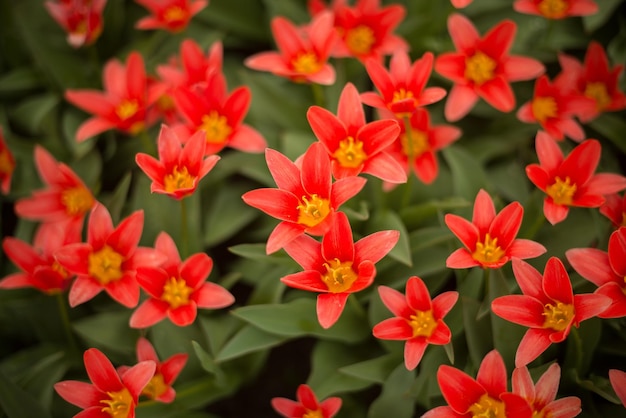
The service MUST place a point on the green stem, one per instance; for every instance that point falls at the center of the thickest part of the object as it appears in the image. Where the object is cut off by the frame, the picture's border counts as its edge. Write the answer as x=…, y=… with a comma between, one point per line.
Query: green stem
x=406, y=198
x=578, y=347
x=184, y=230
x=318, y=95
x=536, y=226
x=65, y=318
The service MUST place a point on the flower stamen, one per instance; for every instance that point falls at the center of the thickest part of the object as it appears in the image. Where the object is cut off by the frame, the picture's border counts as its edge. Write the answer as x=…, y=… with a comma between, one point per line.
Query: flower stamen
x=544, y=108
x=313, y=210
x=339, y=275
x=597, y=91
x=178, y=179
x=559, y=316
x=562, y=192
x=215, y=127
x=77, y=200
x=176, y=292
x=306, y=63
x=155, y=387
x=414, y=143
x=423, y=323
x=553, y=9
x=488, y=251
x=118, y=404
x=106, y=265
x=360, y=39
x=350, y=153
x=487, y=407
x=479, y=68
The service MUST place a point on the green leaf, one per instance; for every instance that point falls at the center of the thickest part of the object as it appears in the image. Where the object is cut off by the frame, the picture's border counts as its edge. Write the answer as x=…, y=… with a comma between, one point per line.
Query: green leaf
x=31, y=111
x=206, y=361
x=17, y=403
x=248, y=340
x=116, y=201
x=257, y=252
x=477, y=332
x=596, y=20
x=395, y=399
x=19, y=81
x=415, y=215
x=389, y=220
x=108, y=331
x=375, y=370
x=227, y=214
x=612, y=127
x=468, y=175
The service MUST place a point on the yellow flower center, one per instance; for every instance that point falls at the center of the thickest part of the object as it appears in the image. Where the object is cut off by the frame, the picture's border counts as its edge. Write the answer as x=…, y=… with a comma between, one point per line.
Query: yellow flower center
x=313, y=414
x=119, y=404
x=313, y=210
x=541, y=414
x=559, y=316
x=178, y=179
x=415, y=143
x=215, y=127
x=6, y=163
x=479, y=68
x=562, y=192
x=174, y=14
x=60, y=269
x=306, y=63
x=597, y=91
x=360, y=39
x=127, y=109
x=487, y=407
x=339, y=275
x=623, y=219
x=553, y=9
x=106, y=265
x=176, y=292
x=402, y=94
x=489, y=251
x=423, y=323
x=350, y=153
x=76, y=200
x=165, y=103
x=155, y=387
x=544, y=108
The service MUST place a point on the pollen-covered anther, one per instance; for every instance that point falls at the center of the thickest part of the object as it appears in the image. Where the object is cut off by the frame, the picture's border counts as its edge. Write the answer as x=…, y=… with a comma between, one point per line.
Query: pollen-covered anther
x=544, y=108
x=414, y=143
x=423, y=323
x=176, y=292
x=215, y=127
x=360, y=39
x=562, y=192
x=339, y=275
x=119, y=404
x=155, y=387
x=597, y=91
x=350, y=153
x=77, y=200
x=313, y=414
x=106, y=265
x=174, y=14
x=559, y=316
x=306, y=63
x=488, y=251
x=178, y=179
x=313, y=210
x=553, y=9
x=487, y=407
x=480, y=68
x=127, y=109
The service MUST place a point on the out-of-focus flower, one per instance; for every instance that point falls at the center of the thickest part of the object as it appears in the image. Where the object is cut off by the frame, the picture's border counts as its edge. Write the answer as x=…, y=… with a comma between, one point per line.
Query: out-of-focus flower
x=614, y=208
x=485, y=396
x=542, y=396
x=179, y=169
x=7, y=165
x=418, y=320
x=570, y=181
x=548, y=307
x=81, y=19
x=337, y=266
x=366, y=29
x=556, y=9
x=482, y=67
x=489, y=239
x=606, y=270
x=124, y=103
x=402, y=88
x=303, y=52
x=170, y=15
x=459, y=4
x=618, y=382
x=110, y=395
x=355, y=147
x=306, y=198
x=177, y=288
x=307, y=405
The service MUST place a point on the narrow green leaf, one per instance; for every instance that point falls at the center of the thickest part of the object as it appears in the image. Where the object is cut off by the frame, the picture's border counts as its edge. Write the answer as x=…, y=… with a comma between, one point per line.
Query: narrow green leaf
x=116, y=201
x=415, y=215
x=596, y=20
x=395, y=399
x=30, y=113
x=612, y=127
x=108, y=331
x=468, y=175
x=477, y=332
x=257, y=252
x=248, y=340
x=375, y=370
x=19, y=80
x=227, y=200
x=17, y=403
x=206, y=361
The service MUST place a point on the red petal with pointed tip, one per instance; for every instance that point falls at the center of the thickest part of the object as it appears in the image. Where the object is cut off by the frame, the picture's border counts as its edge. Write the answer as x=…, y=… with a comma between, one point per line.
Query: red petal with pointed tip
x=458, y=389
x=101, y=372
x=329, y=308
x=212, y=296
x=395, y=301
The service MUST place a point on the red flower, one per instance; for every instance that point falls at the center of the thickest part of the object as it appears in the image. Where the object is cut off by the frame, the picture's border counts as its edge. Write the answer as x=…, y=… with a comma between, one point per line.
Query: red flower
x=556, y=9
x=402, y=88
x=482, y=67
x=459, y=4
x=170, y=15
x=110, y=395
x=7, y=165
x=542, y=396
x=618, y=383
x=606, y=270
x=179, y=169
x=306, y=198
x=418, y=320
x=108, y=260
x=548, y=307
x=489, y=239
x=307, y=405
x=303, y=52
x=570, y=181
x=81, y=19
x=355, y=147
x=124, y=103
x=614, y=208
x=485, y=396
x=554, y=106
x=177, y=288
x=337, y=267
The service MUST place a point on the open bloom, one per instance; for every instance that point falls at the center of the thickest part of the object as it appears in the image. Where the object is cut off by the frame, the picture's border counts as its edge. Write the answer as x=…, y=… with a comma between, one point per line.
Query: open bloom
x=418, y=320
x=303, y=52
x=548, y=307
x=606, y=270
x=482, y=67
x=307, y=405
x=542, y=396
x=570, y=181
x=110, y=395
x=81, y=19
x=355, y=147
x=614, y=208
x=556, y=9
x=485, y=396
x=171, y=15
x=124, y=103
x=337, y=266
x=459, y=4
x=7, y=165
x=402, y=88
x=177, y=288
x=489, y=239
x=306, y=198
x=179, y=169
x=618, y=382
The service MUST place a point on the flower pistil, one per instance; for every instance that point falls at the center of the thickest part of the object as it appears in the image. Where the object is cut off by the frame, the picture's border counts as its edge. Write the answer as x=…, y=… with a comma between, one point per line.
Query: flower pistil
x=176, y=292
x=479, y=68
x=423, y=323
x=118, y=404
x=360, y=39
x=106, y=265
x=215, y=127
x=487, y=407
x=339, y=275
x=350, y=153
x=313, y=210
x=562, y=192
x=559, y=316
x=488, y=251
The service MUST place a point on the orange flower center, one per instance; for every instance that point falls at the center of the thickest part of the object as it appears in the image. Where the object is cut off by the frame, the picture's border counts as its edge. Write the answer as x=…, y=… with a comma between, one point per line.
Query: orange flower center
x=479, y=68
x=423, y=323
x=165, y=103
x=414, y=143
x=60, y=269
x=106, y=265
x=6, y=163
x=216, y=127
x=127, y=109
x=623, y=219
x=489, y=251
x=306, y=63
x=559, y=316
x=313, y=414
x=540, y=414
x=176, y=292
x=487, y=407
x=553, y=9
x=339, y=275
x=119, y=404
x=562, y=192
x=178, y=179
x=174, y=14
x=360, y=39
x=544, y=108
x=350, y=153
x=76, y=200
x=155, y=387
x=313, y=210
x=597, y=91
